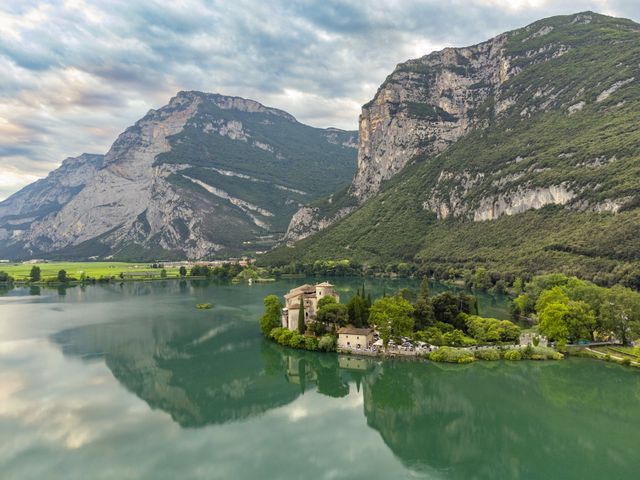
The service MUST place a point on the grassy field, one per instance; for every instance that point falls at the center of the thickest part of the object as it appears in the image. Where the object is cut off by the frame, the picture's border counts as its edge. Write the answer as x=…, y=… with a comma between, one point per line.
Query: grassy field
x=49, y=271
x=619, y=351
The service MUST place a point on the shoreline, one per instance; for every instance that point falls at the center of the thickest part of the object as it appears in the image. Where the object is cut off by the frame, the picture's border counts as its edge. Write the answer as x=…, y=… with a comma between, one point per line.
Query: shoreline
x=422, y=358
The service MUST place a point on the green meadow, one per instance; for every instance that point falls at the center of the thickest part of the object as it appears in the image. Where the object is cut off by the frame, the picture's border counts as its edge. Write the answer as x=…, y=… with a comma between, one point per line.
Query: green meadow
x=49, y=271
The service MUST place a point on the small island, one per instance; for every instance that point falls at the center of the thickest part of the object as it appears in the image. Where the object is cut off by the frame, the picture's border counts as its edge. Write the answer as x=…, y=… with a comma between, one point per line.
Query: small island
x=443, y=328
x=550, y=322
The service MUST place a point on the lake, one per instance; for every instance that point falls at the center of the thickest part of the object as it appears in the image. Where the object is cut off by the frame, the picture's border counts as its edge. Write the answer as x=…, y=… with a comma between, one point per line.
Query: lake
x=132, y=381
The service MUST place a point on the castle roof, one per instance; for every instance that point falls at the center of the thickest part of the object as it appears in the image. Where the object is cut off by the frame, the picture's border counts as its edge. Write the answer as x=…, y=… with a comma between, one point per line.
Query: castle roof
x=350, y=330
x=302, y=289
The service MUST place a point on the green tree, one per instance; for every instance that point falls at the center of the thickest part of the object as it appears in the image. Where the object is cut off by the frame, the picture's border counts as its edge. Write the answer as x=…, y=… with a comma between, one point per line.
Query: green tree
x=621, y=313
x=559, y=315
x=491, y=330
x=358, y=311
x=335, y=314
x=328, y=300
x=301, y=326
x=553, y=322
x=270, y=319
x=518, y=286
x=62, y=276
x=481, y=278
x=183, y=271
x=424, y=288
x=163, y=273
x=392, y=316
x=34, y=275
x=447, y=307
x=5, y=277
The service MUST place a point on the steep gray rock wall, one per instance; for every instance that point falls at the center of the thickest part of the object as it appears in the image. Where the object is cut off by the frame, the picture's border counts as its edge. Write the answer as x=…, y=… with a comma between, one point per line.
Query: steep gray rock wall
x=53, y=191
x=425, y=105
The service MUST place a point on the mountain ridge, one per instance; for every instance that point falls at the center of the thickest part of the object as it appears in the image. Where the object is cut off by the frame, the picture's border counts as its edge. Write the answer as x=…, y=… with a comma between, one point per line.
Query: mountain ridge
x=427, y=104
x=204, y=175
x=554, y=139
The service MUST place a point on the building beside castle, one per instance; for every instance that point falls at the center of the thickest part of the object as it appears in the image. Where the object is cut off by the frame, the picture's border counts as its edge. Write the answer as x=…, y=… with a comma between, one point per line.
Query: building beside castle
x=309, y=295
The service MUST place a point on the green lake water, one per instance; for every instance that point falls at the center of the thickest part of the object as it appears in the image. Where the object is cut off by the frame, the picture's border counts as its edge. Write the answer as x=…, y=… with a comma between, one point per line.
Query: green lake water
x=133, y=381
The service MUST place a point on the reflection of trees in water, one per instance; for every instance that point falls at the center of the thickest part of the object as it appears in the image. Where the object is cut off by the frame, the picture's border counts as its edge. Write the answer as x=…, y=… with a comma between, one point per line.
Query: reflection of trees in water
x=198, y=374
x=503, y=421
x=312, y=369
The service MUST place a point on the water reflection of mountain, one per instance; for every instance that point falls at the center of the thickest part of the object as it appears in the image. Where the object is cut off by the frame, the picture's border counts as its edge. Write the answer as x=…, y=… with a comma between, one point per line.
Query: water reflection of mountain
x=503, y=421
x=201, y=373
x=197, y=372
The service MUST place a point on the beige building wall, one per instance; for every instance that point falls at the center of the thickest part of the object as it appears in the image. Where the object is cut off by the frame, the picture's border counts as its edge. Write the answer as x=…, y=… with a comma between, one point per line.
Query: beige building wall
x=293, y=319
x=346, y=340
x=322, y=292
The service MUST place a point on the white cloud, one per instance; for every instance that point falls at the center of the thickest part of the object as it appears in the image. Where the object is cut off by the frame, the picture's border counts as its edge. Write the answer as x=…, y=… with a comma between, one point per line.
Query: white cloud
x=73, y=74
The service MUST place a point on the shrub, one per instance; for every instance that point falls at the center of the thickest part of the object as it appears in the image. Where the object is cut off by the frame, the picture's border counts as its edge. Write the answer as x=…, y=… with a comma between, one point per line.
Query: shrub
x=469, y=359
x=296, y=340
x=626, y=361
x=310, y=343
x=513, y=355
x=451, y=355
x=289, y=338
x=490, y=354
x=541, y=353
x=327, y=343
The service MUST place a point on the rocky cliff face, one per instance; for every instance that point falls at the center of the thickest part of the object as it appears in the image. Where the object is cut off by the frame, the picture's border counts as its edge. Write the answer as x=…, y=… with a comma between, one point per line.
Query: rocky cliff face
x=194, y=178
x=427, y=104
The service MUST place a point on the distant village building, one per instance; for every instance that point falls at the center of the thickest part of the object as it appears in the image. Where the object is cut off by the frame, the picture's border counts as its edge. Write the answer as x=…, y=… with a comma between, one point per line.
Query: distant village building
x=310, y=295
x=355, y=338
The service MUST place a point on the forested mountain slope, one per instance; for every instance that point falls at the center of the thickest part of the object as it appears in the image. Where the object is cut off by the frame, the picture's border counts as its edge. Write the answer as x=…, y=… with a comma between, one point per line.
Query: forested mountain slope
x=521, y=153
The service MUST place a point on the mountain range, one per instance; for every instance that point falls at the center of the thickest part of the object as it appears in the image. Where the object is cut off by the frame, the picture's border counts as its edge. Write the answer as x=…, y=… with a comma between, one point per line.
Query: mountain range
x=206, y=175
x=520, y=154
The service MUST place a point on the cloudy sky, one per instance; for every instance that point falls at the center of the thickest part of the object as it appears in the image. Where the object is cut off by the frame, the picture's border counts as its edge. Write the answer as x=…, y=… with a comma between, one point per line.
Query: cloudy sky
x=75, y=73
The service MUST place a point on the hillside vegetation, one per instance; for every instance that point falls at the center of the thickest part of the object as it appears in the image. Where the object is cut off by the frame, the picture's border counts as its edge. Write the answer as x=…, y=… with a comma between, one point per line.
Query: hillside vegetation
x=566, y=135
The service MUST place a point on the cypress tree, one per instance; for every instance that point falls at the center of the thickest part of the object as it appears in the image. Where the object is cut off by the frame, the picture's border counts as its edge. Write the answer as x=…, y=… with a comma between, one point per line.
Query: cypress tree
x=424, y=288
x=301, y=325
x=357, y=312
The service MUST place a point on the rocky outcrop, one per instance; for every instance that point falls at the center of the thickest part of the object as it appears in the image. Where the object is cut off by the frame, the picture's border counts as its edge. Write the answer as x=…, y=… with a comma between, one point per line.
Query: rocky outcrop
x=128, y=186
x=309, y=220
x=425, y=105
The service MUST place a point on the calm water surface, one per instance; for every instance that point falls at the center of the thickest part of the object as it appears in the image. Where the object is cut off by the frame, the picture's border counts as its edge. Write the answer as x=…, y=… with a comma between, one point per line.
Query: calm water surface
x=134, y=382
